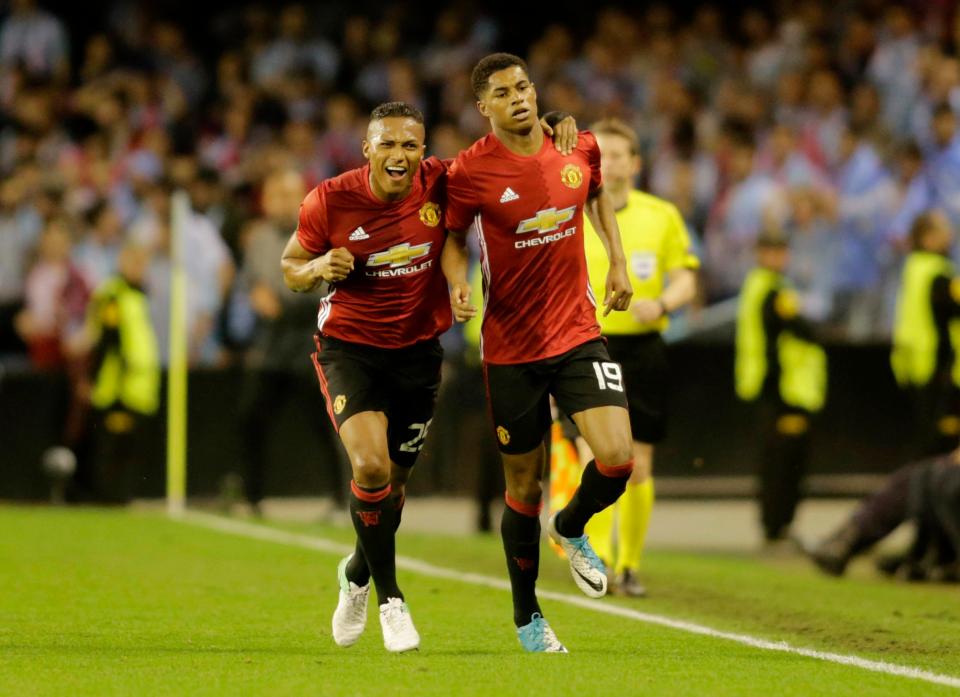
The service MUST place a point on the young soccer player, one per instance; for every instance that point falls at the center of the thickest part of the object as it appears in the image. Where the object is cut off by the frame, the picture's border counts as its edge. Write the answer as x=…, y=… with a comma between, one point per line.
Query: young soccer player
x=540, y=334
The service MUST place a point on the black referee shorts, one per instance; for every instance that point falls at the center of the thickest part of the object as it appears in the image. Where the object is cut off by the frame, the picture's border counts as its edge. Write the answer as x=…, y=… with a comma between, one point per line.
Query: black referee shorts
x=583, y=378
x=643, y=358
x=402, y=383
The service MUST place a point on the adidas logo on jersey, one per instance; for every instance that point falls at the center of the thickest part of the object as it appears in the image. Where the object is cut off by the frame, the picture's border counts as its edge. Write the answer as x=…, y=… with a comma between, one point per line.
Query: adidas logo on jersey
x=508, y=196
x=358, y=234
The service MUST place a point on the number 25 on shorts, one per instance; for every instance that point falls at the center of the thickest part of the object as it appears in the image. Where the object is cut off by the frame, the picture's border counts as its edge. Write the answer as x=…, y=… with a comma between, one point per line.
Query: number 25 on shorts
x=415, y=444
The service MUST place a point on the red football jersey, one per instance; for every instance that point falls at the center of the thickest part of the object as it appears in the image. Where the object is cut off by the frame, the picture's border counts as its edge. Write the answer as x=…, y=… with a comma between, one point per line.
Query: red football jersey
x=528, y=212
x=396, y=294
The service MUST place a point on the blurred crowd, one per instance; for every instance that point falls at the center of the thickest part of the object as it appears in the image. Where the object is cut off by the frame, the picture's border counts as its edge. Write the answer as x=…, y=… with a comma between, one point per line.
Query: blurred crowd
x=834, y=121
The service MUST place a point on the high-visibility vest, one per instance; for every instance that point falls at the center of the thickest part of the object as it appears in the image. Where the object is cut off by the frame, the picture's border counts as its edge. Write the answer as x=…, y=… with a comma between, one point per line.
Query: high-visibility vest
x=916, y=343
x=129, y=370
x=803, y=364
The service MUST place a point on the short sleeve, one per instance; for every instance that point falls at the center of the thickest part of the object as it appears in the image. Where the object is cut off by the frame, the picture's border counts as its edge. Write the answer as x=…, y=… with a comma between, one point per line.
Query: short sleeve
x=679, y=253
x=462, y=202
x=312, y=231
x=592, y=151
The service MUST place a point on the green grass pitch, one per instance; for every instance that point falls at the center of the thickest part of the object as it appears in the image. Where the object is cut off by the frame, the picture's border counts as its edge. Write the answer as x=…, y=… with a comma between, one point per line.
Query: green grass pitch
x=99, y=602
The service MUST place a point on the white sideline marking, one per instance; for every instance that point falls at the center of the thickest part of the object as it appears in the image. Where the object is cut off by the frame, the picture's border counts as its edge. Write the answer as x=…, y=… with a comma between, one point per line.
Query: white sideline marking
x=259, y=532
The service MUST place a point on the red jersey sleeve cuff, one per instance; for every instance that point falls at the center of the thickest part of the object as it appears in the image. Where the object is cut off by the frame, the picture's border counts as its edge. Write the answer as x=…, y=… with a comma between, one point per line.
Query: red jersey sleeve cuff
x=306, y=243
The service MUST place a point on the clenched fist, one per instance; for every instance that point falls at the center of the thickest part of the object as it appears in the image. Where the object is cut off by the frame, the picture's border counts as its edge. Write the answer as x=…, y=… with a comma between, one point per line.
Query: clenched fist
x=335, y=265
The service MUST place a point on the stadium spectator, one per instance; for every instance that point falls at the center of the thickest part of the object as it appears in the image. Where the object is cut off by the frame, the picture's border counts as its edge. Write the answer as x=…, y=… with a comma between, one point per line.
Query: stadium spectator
x=95, y=255
x=937, y=185
x=296, y=48
x=55, y=299
x=812, y=253
x=750, y=202
x=278, y=365
x=35, y=41
x=892, y=67
x=867, y=198
x=20, y=231
x=208, y=266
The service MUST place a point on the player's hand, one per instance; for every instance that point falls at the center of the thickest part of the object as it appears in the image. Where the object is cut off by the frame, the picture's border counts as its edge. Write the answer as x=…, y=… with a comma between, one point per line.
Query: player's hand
x=564, y=135
x=646, y=311
x=335, y=265
x=463, y=311
x=619, y=291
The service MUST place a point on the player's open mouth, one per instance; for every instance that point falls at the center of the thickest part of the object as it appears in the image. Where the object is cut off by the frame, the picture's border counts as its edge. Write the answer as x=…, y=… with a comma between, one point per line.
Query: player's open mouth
x=396, y=173
x=521, y=114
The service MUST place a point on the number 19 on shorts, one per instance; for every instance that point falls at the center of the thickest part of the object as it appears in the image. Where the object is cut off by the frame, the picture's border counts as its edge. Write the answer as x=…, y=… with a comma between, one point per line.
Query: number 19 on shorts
x=609, y=376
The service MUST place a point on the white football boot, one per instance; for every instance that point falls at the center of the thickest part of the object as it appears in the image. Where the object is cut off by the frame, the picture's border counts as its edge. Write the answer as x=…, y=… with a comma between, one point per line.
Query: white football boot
x=350, y=617
x=587, y=569
x=399, y=634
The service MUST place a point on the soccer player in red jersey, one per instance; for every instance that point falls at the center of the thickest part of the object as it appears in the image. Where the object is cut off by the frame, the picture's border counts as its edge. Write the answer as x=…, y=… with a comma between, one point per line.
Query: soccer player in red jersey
x=375, y=234
x=539, y=334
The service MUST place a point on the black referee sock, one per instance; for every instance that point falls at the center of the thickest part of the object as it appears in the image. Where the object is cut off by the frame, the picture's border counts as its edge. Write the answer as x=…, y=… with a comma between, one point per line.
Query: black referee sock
x=520, y=530
x=357, y=569
x=373, y=515
x=600, y=486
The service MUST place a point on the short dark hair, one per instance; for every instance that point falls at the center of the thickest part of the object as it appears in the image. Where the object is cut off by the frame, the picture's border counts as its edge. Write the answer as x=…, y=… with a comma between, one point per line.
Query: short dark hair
x=490, y=65
x=392, y=109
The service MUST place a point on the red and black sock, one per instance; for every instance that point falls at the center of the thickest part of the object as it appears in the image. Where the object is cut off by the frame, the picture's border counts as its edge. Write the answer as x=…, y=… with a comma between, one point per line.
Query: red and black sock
x=600, y=486
x=374, y=516
x=357, y=569
x=520, y=530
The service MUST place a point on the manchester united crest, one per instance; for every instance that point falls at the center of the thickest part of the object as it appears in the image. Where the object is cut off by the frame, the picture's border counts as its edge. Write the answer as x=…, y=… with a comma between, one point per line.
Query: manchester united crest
x=571, y=176
x=430, y=214
x=339, y=403
x=503, y=435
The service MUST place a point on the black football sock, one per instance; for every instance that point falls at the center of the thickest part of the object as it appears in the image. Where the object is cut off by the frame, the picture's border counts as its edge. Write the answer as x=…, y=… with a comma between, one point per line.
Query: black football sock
x=520, y=530
x=373, y=515
x=600, y=486
x=357, y=569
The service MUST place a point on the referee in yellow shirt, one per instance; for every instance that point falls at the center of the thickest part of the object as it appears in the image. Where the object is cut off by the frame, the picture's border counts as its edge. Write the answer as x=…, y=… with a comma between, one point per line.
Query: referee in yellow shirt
x=663, y=273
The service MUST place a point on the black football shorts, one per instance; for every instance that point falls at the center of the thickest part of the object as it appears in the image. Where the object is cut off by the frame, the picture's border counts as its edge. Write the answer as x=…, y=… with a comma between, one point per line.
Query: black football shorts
x=643, y=358
x=582, y=378
x=401, y=383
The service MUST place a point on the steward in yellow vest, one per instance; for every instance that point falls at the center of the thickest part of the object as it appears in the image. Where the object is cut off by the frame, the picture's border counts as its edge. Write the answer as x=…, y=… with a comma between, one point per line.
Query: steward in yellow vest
x=926, y=335
x=780, y=366
x=126, y=374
